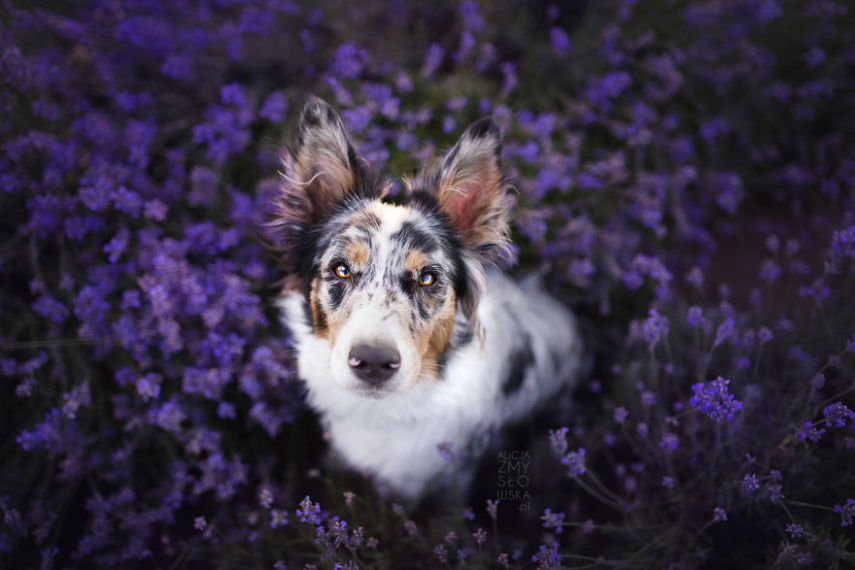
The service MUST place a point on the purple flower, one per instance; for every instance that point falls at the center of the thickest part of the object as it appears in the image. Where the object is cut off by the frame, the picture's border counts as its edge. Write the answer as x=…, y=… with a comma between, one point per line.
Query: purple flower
x=558, y=440
x=148, y=386
x=846, y=512
x=620, y=414
x=837, y=413
x=274, y=107
x=560, y=42
x=669, y=441
x=719, y=515
x=809, y=432
x=548, y=557
x=695, y=317
x=725, y=331
x=492, y=508
x=815, y=56
x=769, y=271
x=654, y=328
x=348, y=61
x=309, y=512
x=199, y=523
x=553, y=520
x=446, y=450
x=472, y=19
x=575, y=462
x=278, y=518
x=714, y=399
x=441, y=554
x=795, y=530
x=433, y=59
x=480, y=536
x=648, y=399
x=50, y=308
x=750, y=483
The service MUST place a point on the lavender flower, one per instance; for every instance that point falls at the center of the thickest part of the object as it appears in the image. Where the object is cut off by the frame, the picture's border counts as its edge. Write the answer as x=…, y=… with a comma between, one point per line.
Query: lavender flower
x=809, y=432
x=575, y=462
x=558, y=440
x=553, y=520
x=837, y=414
x=795, y=530
x=750, y=483
x=713, y=399
x=446, y=450
x=654, y=328
x=441, y=554
x=309, y=512
x=846, y=512
x=669, y=441
x=492, y=508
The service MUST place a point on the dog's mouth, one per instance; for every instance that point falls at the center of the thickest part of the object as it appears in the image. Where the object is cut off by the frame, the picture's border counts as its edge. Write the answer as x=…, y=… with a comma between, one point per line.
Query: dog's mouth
x=372, y=392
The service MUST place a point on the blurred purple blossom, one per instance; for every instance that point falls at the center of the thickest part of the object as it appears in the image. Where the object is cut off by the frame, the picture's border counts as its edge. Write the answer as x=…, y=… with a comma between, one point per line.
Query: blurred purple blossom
x=714, y=399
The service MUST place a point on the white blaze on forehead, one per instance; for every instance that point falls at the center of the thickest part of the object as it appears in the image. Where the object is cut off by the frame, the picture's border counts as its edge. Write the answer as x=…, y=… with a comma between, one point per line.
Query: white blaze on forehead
x=392, y=217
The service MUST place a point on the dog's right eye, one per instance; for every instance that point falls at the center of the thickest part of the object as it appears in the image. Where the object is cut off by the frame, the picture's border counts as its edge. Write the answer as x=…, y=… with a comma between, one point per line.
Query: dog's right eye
x=342, y=271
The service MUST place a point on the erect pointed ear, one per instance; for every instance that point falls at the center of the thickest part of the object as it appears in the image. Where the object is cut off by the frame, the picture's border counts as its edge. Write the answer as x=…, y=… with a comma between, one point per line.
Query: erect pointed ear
x=325, y=164
x=470, y=191
x=322, y=170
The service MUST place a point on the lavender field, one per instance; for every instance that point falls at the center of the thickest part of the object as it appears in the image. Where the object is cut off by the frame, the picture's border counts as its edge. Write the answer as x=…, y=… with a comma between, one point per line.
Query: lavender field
x=685, y=181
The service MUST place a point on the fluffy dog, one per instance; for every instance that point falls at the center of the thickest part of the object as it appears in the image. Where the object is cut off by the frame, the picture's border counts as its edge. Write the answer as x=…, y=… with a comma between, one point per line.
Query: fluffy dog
x=412, y=346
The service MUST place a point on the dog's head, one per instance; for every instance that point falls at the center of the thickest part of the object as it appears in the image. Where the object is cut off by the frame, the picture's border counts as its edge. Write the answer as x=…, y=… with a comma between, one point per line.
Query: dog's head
x=392, y=287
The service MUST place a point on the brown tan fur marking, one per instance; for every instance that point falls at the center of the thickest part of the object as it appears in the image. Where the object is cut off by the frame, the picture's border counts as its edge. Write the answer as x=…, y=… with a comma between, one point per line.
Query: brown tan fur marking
x=357, y=252
x=434, y=340
x=415, y=261
x=319, y=319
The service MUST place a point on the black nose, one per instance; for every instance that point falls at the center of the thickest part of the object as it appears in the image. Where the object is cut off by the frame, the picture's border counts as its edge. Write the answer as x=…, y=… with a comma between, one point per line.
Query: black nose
x=374, y=363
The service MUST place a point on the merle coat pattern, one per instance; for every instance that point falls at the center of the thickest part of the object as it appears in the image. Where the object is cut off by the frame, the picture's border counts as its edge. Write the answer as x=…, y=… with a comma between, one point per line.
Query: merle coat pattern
x=407, y=337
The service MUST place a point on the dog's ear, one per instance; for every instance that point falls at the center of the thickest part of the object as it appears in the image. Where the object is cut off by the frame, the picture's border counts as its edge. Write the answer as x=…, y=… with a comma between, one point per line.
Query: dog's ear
x=471, y=192
x=320, y=172
x=325, y=165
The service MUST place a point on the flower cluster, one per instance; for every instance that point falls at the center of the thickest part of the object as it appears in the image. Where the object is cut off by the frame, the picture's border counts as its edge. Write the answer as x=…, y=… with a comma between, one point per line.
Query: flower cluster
x=713, y=399
x=153, y=416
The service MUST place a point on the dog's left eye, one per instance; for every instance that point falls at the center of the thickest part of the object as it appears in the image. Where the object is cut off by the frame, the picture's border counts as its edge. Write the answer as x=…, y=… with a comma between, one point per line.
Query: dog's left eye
x=427, y=278
x=342, y=271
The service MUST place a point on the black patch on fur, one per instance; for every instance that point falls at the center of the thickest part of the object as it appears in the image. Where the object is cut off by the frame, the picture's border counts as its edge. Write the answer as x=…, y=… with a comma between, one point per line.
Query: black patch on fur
x=424, y=200
x=414, y=238
x=423, y=312
x=521, y=359
x=337, y=290
x=307, y=294
x=408, y=285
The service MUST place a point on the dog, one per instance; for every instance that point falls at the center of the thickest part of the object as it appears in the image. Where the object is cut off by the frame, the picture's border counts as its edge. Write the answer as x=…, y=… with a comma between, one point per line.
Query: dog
x=413, y=347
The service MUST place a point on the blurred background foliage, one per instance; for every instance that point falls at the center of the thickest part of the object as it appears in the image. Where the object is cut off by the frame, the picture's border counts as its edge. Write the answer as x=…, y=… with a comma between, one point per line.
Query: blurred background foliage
x=684, y=178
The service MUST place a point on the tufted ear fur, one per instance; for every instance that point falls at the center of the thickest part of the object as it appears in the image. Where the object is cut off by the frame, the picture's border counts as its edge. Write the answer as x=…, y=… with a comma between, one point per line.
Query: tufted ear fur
x=320, y=172
x=471, y=192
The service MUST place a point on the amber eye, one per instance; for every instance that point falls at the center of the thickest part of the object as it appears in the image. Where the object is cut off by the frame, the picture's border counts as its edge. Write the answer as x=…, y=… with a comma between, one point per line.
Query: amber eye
x=342, y=271
x=427, y=278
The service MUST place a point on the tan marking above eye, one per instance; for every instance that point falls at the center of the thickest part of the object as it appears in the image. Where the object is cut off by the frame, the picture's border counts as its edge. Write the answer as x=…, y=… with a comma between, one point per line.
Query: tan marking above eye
x=427, y=278
x=342, y=271
x=357, y=252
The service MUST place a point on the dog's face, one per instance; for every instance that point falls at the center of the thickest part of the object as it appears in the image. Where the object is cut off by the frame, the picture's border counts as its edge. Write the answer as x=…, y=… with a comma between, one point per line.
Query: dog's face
x=392, y=287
